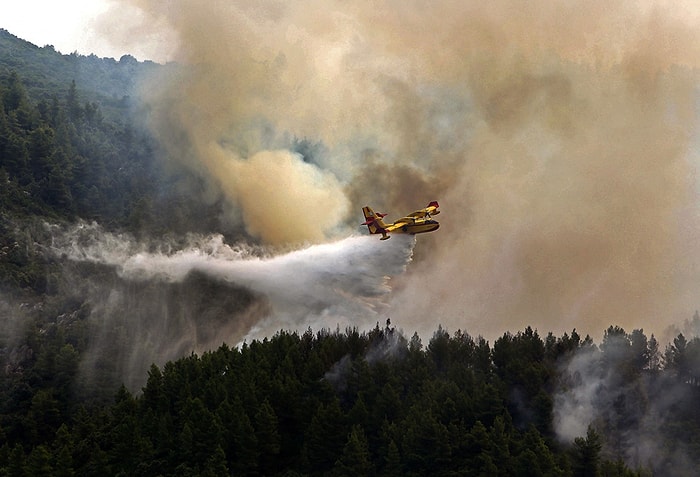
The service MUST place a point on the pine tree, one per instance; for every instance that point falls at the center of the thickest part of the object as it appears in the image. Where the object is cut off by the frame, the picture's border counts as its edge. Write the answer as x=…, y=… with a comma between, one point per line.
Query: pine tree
x=356, y=459
x=240, y=443
x=267, y=435
x=73, y=103
x=16, y=464
x=676, y=357
x=392, y=461
x=39, y=462
x=63, y=466
x=325, y=437
x=586, y=454
x=63, y=452
x=216, y=464
x=654, y=355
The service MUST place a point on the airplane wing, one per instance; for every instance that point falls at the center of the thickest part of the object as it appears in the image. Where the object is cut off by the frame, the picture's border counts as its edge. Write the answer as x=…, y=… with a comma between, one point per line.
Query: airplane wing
x=394, y=226
x=432, y=209
x=400, y=223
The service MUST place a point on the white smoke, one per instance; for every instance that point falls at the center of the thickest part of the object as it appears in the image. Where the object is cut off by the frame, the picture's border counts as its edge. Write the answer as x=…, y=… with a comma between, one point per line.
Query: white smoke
x=575, y=403
x=630, y=411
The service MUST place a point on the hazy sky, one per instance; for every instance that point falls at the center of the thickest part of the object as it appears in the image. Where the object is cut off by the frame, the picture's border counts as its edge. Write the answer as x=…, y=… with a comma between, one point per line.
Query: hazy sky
x=90, y=27
x=70, y=25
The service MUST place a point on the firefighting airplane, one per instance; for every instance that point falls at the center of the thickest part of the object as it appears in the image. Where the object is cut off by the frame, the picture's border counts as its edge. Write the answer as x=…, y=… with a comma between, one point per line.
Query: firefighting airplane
x=416, y=223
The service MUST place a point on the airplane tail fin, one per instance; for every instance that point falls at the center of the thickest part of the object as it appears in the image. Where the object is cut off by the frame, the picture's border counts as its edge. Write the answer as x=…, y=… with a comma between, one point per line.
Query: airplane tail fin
x=374, y=222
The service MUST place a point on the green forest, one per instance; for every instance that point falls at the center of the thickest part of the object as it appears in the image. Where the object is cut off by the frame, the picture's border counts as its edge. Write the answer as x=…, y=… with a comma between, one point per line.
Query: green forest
x=324, y=402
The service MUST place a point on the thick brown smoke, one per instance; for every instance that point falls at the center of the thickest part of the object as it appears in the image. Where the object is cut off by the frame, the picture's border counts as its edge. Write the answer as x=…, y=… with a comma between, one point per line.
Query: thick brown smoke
x=559, y=138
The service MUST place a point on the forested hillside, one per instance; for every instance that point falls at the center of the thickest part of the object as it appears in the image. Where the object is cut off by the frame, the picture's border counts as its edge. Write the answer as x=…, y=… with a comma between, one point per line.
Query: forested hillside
x=105, y=81
x=62, y=158
x=352, y=402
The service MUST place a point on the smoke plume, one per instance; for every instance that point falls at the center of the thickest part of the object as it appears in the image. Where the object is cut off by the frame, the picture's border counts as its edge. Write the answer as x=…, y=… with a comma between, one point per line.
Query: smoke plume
x=561, y=142
x=634, y=412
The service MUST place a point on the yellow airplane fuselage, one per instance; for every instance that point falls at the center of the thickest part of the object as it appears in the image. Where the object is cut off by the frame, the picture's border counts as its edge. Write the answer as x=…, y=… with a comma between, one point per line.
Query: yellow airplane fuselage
x=416, y=223
x=416, y=226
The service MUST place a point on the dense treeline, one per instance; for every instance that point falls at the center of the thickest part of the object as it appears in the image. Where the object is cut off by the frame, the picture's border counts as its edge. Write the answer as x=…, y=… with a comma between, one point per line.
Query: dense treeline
x=348, y=403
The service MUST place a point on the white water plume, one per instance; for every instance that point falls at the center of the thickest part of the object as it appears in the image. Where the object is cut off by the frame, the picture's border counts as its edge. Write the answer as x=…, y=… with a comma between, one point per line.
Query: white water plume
x=334, y=284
